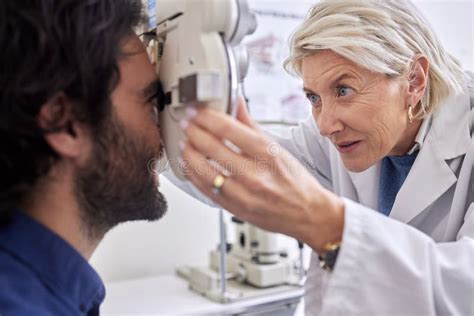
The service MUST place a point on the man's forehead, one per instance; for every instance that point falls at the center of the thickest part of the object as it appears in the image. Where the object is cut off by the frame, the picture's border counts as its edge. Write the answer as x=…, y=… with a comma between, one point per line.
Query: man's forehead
x=137, y=74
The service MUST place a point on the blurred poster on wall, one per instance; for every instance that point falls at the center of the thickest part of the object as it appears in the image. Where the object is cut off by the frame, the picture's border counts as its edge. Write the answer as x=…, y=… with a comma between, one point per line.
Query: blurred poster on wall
x=274, y=96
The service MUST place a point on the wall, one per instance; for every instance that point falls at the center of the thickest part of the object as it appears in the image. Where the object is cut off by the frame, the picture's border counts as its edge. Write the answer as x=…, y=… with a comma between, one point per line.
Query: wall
x=453, y=23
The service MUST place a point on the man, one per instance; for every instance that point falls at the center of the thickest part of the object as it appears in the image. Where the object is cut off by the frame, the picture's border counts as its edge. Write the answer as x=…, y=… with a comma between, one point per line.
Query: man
x=78, y=130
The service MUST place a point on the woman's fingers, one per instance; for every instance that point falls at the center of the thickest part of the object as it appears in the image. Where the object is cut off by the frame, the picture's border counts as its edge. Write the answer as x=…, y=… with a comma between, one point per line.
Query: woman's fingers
x=243, y=114
x=202, y=174
x=212, y=147
x=222, y=126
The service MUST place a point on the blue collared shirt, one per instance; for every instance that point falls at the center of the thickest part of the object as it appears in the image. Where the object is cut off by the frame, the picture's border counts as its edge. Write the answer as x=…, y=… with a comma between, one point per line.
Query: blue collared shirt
x=41, y=274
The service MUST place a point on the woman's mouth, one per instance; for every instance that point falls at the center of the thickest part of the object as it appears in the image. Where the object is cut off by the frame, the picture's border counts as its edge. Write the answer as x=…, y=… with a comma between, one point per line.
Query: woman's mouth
x=346, y=147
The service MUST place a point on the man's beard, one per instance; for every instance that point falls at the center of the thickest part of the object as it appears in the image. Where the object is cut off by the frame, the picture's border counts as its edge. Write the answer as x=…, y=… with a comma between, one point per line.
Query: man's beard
x=117, y=185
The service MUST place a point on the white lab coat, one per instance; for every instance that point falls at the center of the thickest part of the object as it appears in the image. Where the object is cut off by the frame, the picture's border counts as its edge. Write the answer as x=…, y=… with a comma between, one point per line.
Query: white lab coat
x=420, y=259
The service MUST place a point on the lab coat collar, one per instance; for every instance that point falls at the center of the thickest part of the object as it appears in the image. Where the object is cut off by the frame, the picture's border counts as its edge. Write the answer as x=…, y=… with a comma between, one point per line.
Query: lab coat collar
x=420, y=137
x=430, y=176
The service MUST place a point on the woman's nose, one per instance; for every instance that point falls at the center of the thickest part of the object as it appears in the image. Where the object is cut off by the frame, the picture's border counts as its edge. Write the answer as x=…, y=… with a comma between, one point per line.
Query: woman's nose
x=328, y=121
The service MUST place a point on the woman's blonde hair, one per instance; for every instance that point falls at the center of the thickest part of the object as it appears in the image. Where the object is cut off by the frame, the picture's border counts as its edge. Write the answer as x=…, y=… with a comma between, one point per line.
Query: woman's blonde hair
x=382, y=36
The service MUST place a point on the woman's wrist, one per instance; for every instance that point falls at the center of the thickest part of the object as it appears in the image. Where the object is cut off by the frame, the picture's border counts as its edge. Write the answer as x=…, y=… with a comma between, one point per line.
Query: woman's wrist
x=328, y=221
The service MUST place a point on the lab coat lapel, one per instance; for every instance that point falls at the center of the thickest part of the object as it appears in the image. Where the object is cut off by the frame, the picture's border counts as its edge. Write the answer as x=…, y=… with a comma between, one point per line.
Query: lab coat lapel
x=431, y=176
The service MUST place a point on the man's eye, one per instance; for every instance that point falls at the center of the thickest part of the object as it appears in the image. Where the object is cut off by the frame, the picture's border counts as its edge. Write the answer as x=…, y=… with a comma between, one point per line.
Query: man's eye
x=313, y=98
x=154, y=102
x=343, y=91
x=155, y=113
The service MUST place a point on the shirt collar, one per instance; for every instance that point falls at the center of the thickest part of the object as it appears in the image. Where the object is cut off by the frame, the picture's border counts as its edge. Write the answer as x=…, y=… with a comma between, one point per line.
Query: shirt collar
x=420, y=137
x=53, y=260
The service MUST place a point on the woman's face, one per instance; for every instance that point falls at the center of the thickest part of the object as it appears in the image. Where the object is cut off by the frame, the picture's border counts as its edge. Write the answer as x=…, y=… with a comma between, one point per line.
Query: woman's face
x=364, y=114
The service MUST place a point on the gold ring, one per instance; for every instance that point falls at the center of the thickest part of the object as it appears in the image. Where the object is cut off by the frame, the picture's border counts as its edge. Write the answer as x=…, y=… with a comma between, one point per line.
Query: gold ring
x=218, y=183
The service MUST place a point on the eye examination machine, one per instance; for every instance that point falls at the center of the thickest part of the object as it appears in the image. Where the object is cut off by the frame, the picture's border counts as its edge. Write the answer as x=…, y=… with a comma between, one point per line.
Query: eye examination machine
x=197, y=49
x=196, y=46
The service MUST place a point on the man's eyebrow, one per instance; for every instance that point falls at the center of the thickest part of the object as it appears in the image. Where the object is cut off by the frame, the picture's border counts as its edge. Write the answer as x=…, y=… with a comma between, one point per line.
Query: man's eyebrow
x=150, y=89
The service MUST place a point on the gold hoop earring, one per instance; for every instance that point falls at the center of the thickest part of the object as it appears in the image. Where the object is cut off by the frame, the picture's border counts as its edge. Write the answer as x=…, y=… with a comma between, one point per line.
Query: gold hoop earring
x=410, y=114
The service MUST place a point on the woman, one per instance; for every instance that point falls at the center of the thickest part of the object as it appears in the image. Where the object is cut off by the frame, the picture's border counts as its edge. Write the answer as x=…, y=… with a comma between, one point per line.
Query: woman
x=381, y=187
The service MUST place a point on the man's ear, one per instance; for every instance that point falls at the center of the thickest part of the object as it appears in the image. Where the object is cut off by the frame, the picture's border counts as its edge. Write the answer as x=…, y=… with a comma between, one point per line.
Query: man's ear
x=417, y=80
x=63, y=133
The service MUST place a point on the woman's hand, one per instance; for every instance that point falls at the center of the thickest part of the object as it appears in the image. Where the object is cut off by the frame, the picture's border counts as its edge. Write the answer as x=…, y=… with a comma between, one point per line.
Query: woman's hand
x=265, y=185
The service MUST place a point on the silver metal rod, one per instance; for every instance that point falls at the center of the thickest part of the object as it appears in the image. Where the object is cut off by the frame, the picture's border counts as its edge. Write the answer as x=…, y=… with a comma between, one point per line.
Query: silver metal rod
x=302, y=272
x=222, y=252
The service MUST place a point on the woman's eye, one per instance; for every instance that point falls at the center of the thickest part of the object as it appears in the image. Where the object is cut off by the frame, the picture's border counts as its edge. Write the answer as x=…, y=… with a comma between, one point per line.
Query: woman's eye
x=343, y=91
x=313, y=98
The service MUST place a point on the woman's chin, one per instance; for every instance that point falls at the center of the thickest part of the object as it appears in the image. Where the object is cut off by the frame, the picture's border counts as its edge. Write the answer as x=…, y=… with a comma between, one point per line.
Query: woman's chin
x=356, y=165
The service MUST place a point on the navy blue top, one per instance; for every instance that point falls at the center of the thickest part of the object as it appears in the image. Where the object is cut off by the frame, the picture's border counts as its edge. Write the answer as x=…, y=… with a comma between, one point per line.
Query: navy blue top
x=394, y=171
x=41, y=274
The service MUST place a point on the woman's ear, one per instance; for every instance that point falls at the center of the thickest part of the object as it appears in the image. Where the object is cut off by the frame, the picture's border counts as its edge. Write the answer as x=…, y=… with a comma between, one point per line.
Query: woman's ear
x=417, y=80
x=61, y=130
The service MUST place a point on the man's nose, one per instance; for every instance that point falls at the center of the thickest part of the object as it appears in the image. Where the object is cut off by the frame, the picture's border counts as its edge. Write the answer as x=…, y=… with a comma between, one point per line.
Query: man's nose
x=328, y=121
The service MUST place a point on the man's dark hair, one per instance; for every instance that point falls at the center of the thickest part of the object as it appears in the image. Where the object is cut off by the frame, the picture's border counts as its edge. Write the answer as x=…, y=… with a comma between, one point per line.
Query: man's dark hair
x=49, y=47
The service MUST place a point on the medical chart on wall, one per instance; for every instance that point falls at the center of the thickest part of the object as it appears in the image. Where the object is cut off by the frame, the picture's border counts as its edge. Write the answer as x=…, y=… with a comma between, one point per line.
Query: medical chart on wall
x=274, y=95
